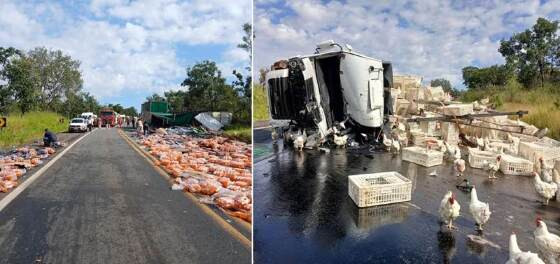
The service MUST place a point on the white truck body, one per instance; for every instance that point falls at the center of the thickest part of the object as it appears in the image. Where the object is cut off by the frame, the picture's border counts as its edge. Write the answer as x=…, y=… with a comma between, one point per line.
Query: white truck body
x=322, y=90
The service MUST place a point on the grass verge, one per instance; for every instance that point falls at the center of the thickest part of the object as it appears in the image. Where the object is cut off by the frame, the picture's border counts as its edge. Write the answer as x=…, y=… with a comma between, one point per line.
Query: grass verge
x=239, y=131
x=543, y=103
x=29, y=127
x=260, y=103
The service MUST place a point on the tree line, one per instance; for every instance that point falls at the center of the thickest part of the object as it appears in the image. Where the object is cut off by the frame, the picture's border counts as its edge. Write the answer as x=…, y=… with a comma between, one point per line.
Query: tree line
x=42, y=80
x=206, y=89
x=532, y=58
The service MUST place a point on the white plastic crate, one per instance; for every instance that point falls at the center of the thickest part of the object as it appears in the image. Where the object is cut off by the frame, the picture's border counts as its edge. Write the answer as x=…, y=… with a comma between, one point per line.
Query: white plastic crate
x=401, y=107
x=450, y=132
x=457, y=109
x=419, y=156
x=511, y=165
x=477, y=158
x=379, y=188
x=534, y=150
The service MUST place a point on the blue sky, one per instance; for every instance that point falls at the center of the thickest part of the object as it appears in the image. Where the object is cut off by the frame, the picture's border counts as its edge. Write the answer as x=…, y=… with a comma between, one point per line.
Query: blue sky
x=131, y=49
x=432, y=39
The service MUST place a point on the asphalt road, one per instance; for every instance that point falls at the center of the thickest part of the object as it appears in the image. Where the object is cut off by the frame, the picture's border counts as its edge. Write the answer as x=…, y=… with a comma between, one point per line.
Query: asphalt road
x=103, y=203
x=303, y=213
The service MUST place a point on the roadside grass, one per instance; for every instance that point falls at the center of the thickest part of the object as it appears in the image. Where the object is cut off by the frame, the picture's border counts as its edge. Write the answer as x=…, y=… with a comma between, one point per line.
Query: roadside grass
x=260, y=103
x=543, y=103
x=29, y=127
x=239, y=131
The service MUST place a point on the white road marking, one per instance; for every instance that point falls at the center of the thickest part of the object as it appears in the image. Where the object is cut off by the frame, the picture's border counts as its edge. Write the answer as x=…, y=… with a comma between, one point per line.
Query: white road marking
x=20, y=188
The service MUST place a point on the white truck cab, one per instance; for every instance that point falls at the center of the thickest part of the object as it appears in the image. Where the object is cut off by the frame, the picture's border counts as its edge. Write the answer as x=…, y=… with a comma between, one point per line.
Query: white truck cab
x=319, y=92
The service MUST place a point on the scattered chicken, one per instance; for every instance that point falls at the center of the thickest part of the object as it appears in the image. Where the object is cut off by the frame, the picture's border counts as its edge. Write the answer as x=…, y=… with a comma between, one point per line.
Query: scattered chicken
x=556, y=179
x=274, y=135
x=299, y=141
x=387, y=142
x=493, y=167
x=459, y=165
x=395, y=146
x=452, y=151
x=544, y=189
x=480, y=143
x=547, y=244
x=545, y=170
x=449, y=209
x=340, y=141
x=516, y=256
x=479, y=210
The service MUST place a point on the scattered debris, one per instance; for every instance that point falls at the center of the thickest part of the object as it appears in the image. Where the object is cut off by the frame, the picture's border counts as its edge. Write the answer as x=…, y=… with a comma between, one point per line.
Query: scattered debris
x=14, y=164
x=216, y=169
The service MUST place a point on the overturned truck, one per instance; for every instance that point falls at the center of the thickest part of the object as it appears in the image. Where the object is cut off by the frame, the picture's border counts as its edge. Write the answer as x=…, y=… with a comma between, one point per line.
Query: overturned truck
x=329, y=93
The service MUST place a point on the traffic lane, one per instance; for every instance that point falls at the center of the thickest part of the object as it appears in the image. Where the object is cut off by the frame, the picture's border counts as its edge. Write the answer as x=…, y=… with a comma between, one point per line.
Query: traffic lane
x=304, y=214
x=103, y=203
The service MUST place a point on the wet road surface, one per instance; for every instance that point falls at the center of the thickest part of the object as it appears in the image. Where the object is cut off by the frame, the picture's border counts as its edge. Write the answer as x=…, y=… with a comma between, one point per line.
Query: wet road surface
x=303, y=213
x=103, y=203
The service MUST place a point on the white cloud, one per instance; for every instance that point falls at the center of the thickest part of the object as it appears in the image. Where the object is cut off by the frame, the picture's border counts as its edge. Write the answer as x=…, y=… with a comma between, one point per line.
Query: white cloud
x=429, y=38
x=129, y=48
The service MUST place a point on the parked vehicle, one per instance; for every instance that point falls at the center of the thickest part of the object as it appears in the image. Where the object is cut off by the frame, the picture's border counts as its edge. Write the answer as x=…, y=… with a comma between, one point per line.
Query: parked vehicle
x=329, y=91
x=107, y=116
x=78, y=125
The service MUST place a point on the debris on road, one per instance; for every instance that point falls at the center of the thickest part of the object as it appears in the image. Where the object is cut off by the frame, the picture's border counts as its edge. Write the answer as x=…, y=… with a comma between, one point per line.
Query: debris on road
x=217, y=169
x=14, y=164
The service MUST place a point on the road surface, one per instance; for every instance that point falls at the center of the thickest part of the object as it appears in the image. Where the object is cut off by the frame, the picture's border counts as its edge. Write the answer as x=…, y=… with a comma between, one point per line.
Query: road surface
x=303, y=213
x=104, y=203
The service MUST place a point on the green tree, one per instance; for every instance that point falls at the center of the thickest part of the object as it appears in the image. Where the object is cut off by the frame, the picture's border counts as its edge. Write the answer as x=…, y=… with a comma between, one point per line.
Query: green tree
x=55, y=75
x=207, y=89
x=247, y=40
x=533, y=52
x=480, y=78
x=20, y=83
x=117, y=108
x=176, y=100
x=444, y=83
x=130, y=111
x=6, y=94
x=155, y=98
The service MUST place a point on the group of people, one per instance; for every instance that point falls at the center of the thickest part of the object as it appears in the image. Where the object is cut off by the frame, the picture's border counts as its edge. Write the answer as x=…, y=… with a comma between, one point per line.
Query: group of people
x=142, y=128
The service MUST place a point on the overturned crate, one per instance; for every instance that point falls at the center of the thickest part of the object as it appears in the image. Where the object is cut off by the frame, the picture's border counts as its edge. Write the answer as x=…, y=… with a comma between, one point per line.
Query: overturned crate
x=480, y=159
x=457, y=109
x=510, y=165
x=379, y=188
x=422, y=156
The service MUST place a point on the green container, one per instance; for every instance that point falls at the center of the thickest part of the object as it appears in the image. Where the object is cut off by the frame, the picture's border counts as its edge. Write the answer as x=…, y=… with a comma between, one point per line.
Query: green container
x=158, y=107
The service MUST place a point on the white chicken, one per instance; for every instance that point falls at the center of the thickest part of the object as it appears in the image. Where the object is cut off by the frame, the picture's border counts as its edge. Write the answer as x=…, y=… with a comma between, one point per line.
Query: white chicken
x=387, y=142
x=340, y=141
x=274, y=135
x=544, y=189
x=556, y=179
x=516, y=256
x=459, y=165
x=395, y=146
x=449, y=209
x=299, y=141
x=452, y=151
x=547, y=244
x=480, y=143
x=493, y=167
x=479, y=210
x=545, y=170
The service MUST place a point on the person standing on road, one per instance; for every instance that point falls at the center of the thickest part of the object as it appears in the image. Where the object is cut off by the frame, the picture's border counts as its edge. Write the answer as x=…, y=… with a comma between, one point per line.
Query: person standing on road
x=146, y=129
x=140, y=127
x=135, y=121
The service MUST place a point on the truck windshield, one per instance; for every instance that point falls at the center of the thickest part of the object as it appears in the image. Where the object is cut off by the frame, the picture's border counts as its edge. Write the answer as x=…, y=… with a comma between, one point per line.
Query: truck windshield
x=106, y=113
